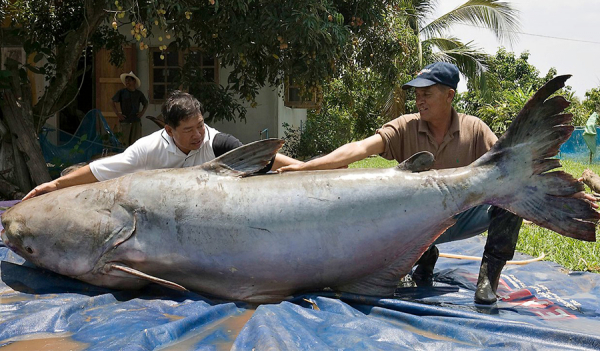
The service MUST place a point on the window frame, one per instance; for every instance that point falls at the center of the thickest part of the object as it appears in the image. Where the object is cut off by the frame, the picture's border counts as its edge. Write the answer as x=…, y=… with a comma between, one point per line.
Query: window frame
x=305, y=104
x=181, y=62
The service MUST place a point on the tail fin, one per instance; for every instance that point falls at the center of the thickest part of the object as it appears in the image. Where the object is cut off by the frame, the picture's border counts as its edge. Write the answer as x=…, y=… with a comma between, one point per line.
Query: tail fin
x=525, y=149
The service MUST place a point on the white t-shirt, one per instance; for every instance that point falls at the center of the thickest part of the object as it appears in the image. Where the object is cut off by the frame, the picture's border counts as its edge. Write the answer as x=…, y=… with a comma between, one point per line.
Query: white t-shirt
x=155, y=151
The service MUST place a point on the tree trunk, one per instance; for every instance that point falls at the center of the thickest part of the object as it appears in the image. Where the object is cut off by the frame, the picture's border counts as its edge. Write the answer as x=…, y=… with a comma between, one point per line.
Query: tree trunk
x=17, y=114
x=24, y=120
x=10, y=192
x=12, y=165
x=20, y=173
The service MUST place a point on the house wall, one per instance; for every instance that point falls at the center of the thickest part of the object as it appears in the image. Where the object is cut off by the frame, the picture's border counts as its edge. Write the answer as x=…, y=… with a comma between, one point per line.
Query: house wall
x=267, y=117
x=269, y=114
x=295, y=117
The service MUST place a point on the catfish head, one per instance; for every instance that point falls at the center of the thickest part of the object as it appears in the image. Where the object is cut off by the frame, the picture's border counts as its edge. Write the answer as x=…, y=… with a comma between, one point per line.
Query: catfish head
x=68, y=231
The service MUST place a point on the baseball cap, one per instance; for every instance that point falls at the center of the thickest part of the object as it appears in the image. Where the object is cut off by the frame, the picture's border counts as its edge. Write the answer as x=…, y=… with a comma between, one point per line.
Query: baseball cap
x=436, y=73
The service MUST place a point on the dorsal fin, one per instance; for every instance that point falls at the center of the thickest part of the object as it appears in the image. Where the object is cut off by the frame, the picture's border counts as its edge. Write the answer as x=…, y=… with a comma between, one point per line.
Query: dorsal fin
x=246, y=159
x=419, y=162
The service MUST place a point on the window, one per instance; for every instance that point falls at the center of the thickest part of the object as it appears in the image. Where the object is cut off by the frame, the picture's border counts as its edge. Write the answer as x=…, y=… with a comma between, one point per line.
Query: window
x=165, y=72
x=294, y=99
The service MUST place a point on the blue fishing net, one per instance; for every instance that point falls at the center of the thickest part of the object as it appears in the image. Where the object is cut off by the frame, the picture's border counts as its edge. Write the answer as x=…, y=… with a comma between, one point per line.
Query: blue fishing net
x=92, y=139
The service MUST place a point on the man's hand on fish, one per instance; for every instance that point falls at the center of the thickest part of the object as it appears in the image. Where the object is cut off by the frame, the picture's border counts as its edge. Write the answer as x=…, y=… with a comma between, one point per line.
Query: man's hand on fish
x=299, y=167
x=341, y=157
x=79, y=176
x=589, y=197
x=41, y=189
x=291, y=168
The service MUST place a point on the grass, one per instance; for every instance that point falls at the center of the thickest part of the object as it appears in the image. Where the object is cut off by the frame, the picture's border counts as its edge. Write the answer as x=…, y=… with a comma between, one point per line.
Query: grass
x=374, y=162
x=572, y=254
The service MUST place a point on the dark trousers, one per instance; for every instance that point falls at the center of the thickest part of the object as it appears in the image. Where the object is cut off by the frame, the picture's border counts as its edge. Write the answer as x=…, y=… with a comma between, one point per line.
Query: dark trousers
x=502, y=226
x=130, y=132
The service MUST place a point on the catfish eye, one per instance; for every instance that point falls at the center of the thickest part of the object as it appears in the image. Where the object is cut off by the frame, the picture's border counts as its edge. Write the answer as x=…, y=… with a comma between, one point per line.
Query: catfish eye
x=29, y=250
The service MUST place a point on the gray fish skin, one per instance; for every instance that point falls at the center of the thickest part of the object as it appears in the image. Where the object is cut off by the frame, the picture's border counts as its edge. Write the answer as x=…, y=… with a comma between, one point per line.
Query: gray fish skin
x=248, y=237
x=264, y=238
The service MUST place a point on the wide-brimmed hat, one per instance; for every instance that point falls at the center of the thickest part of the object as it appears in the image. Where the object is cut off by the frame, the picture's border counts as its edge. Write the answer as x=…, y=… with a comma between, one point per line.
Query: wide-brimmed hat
x=138, y=82
x=436, y=73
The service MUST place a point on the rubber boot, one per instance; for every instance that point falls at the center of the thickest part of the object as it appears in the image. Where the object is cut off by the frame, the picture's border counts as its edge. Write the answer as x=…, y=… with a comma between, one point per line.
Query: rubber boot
x=423, y=275
x=503, y=234
x=489, y=276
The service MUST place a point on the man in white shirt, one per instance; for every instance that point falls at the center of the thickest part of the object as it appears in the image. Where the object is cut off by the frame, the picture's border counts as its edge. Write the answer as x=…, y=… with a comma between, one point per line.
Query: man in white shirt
x=184, y=142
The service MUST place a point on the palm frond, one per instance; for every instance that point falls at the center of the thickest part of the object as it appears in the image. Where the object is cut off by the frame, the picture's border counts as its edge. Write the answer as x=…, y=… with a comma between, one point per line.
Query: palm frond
x=417, y=12
x=497, y=16
x=470, y=60
x=394, y=103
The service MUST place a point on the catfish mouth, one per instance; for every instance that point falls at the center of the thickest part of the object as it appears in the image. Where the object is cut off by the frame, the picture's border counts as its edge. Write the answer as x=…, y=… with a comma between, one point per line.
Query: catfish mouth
x=6, y=242
x=68, y=269
x=4, y=239
x=11, y=234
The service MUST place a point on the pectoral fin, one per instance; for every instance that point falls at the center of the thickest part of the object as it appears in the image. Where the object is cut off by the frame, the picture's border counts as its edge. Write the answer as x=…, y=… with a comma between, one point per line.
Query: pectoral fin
x=145, y=276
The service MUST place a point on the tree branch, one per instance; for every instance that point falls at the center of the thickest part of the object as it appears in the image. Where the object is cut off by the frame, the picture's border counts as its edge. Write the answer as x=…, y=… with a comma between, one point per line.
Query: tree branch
x=67, y=60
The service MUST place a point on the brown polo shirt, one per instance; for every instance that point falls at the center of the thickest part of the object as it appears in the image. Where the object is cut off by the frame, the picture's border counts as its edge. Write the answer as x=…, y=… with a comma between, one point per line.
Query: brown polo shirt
x=467, y=139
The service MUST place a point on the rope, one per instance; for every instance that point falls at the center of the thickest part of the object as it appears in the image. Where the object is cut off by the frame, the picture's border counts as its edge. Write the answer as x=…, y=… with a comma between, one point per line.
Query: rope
x=474, y=258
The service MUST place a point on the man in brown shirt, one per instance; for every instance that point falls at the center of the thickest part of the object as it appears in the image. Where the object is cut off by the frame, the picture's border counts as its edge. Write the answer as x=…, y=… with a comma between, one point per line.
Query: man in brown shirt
x=467, y=139
x=455, y=140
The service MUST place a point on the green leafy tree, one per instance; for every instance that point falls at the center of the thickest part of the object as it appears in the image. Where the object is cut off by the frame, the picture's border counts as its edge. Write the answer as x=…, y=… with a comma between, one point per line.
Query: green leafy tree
x=367, y=97
x=592, y=100
x=263, y=43
x=582, y=110
x=356, y=100
x=515, y=81
x=349, y=111
x=500, y=114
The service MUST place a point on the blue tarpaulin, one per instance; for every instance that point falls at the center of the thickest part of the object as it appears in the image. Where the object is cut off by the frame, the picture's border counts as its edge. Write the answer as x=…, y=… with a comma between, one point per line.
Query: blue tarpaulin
x=542, y=306
x=576, y=147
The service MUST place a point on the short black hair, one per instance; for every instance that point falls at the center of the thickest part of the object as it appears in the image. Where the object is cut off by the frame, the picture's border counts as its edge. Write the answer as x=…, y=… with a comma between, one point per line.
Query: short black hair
x=179, y=107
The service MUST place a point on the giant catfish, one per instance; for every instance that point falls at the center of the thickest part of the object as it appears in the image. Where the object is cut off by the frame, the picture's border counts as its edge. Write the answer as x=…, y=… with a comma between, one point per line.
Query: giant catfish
x=216, y=230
